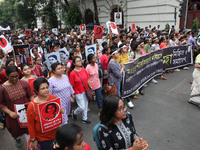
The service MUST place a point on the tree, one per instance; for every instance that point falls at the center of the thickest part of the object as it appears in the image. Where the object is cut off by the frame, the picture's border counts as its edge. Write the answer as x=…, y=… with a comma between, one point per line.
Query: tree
x=96, y=12
x=73, y=16
x=195, y=25
x=7, y=11
x=49, y=11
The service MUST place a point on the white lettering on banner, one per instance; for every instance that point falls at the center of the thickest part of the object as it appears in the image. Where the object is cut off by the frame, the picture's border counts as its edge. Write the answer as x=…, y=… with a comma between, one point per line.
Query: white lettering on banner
x=129, y=79
x=179, y=60
x=178, y=52
x=153, y=64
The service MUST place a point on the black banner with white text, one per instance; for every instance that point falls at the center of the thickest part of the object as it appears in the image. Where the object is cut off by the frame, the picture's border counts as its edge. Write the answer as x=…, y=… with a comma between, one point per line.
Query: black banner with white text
x=145, y=68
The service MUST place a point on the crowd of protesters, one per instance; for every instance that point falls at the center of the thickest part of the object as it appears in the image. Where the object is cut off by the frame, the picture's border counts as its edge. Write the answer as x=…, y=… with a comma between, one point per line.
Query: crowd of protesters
x=66, y=80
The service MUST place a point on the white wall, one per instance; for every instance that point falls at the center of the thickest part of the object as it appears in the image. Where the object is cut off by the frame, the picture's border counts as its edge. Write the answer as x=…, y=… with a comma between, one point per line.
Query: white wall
x=152, y=12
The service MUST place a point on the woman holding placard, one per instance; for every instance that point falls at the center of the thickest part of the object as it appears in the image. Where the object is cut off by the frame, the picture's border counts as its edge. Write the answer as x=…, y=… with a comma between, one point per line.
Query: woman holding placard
x=14, y=91
x=37, y=137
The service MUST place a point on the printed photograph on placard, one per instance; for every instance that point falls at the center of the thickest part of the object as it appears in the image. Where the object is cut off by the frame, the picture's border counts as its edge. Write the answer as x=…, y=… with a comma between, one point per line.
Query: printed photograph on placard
x=50, y=116
x=52, y=58
x=64, y=55
x=118, y=18
x=22, y=54
x=20, y=109
x=91, y=49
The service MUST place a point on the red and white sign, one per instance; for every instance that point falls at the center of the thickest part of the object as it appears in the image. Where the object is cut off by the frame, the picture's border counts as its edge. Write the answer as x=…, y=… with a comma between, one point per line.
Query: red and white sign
x=30, y=82
x=21, y=109
x=5, y=45
x=28, y=33
x=98, y=32
x=50, y=116
x=83, y=29
x=113, y=27
x=133, y=30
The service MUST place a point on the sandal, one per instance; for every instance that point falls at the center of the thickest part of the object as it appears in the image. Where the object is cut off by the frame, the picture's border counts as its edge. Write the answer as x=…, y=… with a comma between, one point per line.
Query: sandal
x=142, y=92
x=162, y=77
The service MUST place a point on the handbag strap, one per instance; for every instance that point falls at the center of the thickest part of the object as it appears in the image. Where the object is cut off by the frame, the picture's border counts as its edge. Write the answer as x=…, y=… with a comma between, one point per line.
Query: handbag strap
x=3, y=93
x=81, y=81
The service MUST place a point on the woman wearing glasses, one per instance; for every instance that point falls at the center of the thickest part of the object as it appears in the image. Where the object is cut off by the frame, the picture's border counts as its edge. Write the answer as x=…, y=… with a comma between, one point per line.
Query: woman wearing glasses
x=119, y=131
x=44, y=139
x=15, y=91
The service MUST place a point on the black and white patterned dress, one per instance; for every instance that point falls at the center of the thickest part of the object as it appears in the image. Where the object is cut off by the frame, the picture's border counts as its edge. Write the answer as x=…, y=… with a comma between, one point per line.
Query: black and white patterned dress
x=120, y=137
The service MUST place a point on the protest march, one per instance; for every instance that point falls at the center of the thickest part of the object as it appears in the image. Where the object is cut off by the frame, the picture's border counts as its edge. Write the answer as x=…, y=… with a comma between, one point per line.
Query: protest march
x=50, y=75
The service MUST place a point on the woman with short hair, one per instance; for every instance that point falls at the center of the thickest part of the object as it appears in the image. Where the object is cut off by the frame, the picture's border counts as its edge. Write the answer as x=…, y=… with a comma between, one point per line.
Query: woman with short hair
x=60, y=86
x=44, y=139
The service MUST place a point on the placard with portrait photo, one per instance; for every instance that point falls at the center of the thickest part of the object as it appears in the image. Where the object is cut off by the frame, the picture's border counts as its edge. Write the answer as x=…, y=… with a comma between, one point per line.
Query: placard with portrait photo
x=52, y=58
x=50, y=115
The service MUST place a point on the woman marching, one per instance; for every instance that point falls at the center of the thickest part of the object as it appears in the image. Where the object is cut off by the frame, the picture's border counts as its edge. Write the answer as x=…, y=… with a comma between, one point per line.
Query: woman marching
x=92, y=70
x=14, y=91
x=78, y=77
x=60, y=86
x=37, y=137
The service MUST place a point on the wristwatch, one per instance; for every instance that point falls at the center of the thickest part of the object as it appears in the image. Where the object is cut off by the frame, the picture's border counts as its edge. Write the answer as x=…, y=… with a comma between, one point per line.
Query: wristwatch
x=33, y=140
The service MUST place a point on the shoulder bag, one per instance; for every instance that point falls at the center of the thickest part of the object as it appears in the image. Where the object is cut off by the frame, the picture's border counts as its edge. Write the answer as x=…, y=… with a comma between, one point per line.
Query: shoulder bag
x=111, y=89
x=89, y=93
x=2, y=114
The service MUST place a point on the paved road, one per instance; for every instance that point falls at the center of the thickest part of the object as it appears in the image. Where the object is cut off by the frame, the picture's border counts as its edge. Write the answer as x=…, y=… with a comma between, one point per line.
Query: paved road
x=162, y=116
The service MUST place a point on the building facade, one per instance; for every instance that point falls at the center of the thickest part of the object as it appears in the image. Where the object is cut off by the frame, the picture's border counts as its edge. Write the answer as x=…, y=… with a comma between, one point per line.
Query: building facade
x=141, y=12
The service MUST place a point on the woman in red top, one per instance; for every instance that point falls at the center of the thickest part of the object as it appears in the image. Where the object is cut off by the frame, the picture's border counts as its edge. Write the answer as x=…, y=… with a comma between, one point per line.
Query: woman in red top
x=69, y=63
x=163, y=43
x=77, y=76
x=36, y=70
x=104, y=61
x=44, y=139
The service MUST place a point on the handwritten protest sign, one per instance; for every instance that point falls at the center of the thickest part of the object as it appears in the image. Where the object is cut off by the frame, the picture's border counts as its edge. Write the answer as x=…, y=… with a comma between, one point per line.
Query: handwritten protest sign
x=98, y=32
x=50, y=116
